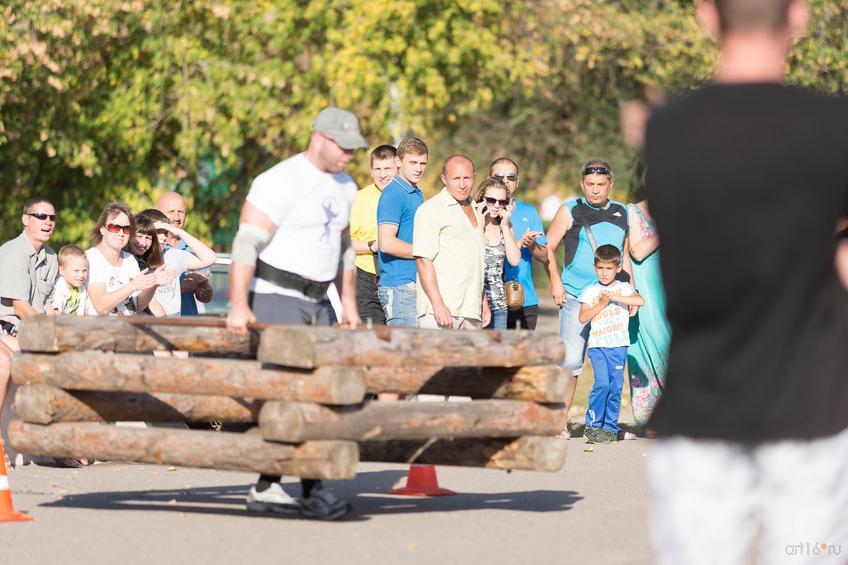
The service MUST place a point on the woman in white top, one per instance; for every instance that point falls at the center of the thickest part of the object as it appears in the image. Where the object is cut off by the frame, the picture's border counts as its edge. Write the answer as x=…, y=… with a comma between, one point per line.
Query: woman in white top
x=116, y=286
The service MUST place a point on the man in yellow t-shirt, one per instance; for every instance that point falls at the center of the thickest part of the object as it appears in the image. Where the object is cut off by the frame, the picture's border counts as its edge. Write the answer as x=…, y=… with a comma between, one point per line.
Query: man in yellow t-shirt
x=363, y=232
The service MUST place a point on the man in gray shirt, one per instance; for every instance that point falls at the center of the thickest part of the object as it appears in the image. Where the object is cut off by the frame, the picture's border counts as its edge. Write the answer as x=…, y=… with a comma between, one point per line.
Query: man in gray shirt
x=29, y=271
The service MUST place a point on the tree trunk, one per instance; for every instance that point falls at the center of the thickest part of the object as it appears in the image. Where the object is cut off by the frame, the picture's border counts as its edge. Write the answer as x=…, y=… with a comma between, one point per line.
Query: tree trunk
x=208, y=450
x=541, y=383
x=294, y=422
x=106, y=372
x=309, y=347
x=42, y=404
x=524, y=453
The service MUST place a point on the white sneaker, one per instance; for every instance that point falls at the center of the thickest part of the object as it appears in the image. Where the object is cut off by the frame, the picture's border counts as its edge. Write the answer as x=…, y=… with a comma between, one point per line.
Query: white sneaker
x=274, y=499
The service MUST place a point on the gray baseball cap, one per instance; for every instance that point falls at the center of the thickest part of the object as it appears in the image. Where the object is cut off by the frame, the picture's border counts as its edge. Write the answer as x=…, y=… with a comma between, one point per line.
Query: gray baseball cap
x=341, y=125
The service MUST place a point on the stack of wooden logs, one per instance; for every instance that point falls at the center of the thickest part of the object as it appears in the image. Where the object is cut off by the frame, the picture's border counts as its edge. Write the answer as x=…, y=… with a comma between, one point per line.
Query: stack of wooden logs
x=298, y=391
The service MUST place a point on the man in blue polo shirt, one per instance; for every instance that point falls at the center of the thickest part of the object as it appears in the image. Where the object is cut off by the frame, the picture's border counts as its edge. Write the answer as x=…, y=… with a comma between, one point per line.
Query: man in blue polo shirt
x=531, y=240
x=395, y=216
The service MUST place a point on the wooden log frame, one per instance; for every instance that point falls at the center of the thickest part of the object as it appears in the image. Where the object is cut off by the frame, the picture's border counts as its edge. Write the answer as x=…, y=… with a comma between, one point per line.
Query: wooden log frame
x=510, y=454
x=54, y=334
x=304, y=347
x=94, y=370
x=42, y=404
x=295, y=422
x=209, y=450
x=309, y=347
x=540, y=383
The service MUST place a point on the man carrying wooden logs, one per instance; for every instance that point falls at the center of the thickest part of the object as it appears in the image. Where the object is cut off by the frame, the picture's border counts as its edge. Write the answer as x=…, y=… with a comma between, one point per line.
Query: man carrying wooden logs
x=293, y=241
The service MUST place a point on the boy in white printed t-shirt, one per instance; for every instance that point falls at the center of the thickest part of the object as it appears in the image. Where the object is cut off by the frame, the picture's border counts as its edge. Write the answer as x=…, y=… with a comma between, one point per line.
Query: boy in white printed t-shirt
x=606, y=304
x=70, y=296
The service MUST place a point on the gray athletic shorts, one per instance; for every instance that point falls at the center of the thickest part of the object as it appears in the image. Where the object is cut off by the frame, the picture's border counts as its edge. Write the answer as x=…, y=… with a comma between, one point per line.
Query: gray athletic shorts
x=280, y=309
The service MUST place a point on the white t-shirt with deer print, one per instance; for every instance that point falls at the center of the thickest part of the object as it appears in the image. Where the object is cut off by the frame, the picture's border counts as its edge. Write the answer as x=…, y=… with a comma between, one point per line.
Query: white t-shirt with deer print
x=311, y=208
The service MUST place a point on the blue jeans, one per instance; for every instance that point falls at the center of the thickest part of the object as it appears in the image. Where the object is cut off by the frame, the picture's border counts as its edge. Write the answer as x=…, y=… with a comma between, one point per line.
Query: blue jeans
x=399, y=304
x=498, y=321
x=605, y=398
x=574, y=334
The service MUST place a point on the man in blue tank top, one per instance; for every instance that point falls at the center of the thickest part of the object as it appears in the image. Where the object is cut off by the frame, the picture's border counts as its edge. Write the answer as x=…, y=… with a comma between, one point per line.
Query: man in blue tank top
x=582, y=225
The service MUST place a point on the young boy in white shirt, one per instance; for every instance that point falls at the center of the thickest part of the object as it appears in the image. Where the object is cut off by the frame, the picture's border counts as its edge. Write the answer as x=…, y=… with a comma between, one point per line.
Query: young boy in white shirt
x=70, y=296
x=606, y=304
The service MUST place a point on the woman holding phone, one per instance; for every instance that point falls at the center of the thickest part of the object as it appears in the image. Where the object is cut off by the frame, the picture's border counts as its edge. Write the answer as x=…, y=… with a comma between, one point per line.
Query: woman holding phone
x=496, y=208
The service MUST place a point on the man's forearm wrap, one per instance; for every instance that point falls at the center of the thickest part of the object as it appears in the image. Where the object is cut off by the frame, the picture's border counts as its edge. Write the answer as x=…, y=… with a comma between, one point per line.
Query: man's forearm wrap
x=248, y=243
x=347, y=260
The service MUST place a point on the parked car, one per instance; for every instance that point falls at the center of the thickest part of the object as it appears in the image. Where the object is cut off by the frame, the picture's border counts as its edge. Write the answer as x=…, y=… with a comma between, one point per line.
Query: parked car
x=220, y=279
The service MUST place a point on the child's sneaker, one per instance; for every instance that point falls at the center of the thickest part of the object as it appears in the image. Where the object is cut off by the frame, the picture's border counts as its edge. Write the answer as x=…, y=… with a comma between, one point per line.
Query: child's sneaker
x=591, y=434
x=605, y=436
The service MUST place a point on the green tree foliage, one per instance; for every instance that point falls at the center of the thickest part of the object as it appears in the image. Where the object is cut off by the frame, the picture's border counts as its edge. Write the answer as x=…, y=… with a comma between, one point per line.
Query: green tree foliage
x=126, y=99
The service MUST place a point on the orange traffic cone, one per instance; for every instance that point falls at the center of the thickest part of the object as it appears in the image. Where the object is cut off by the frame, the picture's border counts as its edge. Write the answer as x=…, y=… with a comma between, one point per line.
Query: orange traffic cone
x=7, y=510
x=422, y=481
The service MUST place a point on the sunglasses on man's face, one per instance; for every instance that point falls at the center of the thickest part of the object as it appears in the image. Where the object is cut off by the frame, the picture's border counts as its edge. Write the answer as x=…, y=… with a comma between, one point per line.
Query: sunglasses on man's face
x=42, y=217
x=595, y=170
x=492, y=201
x=115, y=228
x=511, y=177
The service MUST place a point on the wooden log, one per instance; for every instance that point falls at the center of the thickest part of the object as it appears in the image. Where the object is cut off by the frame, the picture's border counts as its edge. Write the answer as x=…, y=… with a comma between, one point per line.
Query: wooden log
x=295, y=422
x=308, y=347
x=540, y=383
x=93, y=370
x=54, y=334
x=42, y=404
x=525, y=453
x=208, y=450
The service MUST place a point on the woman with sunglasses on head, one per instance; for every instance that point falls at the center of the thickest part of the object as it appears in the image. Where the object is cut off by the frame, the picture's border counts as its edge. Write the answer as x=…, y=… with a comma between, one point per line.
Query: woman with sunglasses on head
x=116, y=286
x=582, y=225
x=495, y=206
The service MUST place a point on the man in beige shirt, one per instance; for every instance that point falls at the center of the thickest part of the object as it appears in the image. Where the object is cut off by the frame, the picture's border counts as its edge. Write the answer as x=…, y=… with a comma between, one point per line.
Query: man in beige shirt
x=448, y=248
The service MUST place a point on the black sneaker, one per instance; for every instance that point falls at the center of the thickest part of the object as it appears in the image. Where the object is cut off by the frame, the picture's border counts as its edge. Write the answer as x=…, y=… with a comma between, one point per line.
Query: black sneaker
x=322, y=504
x=605, y=436
x=591, y=434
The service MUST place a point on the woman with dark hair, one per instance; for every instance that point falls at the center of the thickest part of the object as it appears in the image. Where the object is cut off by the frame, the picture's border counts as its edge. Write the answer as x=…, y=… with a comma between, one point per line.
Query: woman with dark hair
x=116, y=286
x=176, y=260
x=650, y=334
x=144, y=244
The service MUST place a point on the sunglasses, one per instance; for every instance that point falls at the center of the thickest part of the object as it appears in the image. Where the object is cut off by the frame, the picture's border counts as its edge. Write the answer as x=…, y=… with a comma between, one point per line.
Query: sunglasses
x=42, y=217
x=596, y=170
x=115, y=228
x=511, y=177
x=491, y=201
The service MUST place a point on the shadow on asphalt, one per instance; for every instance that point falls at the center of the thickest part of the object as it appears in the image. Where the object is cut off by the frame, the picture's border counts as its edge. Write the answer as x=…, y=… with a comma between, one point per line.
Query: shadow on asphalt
x=367, y=493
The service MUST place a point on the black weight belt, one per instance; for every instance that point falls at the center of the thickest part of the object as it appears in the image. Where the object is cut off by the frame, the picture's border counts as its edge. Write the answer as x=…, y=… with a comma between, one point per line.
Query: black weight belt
x=311, y=289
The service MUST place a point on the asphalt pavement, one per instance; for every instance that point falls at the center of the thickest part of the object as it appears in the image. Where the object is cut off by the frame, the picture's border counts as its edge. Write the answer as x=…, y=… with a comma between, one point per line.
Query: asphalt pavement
x=594, y=510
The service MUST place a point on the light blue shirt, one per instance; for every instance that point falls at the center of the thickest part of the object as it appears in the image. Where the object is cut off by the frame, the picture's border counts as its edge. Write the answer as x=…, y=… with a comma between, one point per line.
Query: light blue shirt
x=525, y=217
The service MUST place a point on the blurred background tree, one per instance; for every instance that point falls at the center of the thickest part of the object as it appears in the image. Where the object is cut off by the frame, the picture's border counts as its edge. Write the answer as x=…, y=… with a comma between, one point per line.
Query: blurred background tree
x=106, y=100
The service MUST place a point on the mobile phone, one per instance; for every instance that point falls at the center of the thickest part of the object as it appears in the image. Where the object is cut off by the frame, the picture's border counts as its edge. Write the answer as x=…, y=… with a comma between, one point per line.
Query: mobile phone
x=484, y=209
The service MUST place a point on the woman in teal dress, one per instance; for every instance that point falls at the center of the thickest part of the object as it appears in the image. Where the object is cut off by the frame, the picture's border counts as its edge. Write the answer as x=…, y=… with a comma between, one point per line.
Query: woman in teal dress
x=650, y=334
